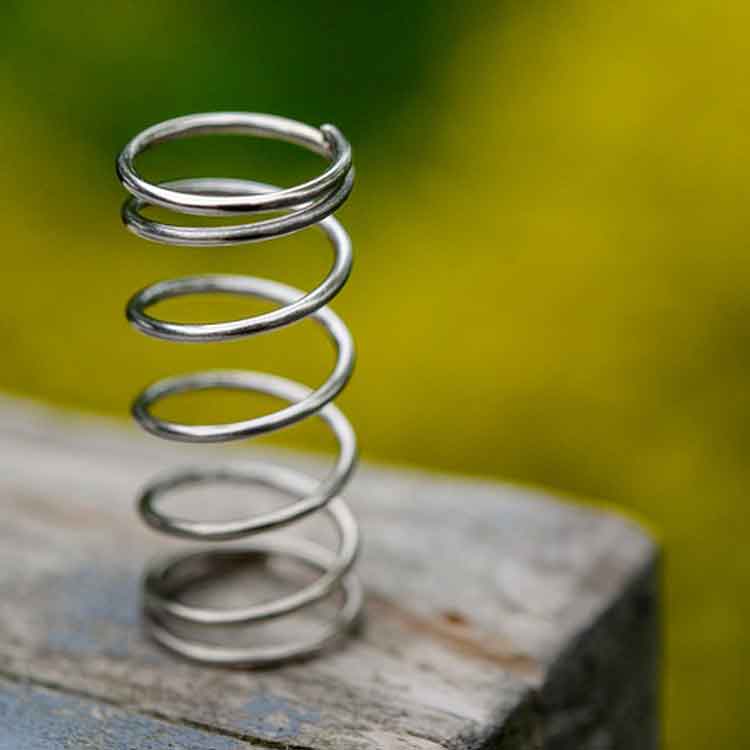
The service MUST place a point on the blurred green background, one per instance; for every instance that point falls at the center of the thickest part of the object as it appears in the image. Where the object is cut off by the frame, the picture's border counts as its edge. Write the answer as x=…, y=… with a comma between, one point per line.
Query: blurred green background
x=552, y=277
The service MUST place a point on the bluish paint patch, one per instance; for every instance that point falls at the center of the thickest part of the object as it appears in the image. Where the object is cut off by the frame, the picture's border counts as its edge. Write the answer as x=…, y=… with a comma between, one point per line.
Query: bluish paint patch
x=94, y=594
x=33, y=718
x=269, y=716
x=93, y=611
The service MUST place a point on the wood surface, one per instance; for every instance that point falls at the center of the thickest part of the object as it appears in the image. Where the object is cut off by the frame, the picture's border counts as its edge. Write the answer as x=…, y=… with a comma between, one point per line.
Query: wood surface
x=497, y=617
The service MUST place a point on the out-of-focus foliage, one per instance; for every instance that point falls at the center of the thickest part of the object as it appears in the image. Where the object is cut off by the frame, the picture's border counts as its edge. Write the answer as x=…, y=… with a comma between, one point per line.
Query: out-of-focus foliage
x=551, y=227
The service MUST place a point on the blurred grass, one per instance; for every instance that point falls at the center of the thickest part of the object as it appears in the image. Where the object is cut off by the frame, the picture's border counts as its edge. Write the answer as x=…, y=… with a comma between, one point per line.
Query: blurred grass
x=550, y=222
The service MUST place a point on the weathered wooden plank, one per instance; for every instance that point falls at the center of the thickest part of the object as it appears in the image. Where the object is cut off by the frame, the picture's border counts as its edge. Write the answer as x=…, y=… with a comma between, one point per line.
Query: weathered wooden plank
x=497, y=616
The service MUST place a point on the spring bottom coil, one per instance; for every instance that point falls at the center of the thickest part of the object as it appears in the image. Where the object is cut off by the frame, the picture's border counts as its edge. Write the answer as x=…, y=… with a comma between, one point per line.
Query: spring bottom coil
x=166, y=615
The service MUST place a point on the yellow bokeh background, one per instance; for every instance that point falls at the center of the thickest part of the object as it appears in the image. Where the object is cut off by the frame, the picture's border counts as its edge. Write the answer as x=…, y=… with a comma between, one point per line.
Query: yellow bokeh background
x=552, y=273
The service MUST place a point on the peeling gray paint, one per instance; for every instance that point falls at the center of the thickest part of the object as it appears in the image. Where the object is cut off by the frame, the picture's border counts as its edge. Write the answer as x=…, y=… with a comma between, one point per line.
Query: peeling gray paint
x=272, y=717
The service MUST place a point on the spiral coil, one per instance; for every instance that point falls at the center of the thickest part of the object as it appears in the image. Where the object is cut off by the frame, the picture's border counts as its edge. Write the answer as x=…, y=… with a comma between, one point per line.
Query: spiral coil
x=165, y=613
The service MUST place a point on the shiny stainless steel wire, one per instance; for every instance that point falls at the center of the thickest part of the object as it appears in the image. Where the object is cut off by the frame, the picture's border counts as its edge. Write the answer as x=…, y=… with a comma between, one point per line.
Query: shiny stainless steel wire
x=302, y=206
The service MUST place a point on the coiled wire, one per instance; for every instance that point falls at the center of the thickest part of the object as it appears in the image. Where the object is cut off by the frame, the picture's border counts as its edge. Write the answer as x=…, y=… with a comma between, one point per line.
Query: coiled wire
x=307, y=204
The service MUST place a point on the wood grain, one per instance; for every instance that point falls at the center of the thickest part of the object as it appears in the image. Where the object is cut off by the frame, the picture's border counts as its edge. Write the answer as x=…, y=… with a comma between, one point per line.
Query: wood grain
x=498, y=617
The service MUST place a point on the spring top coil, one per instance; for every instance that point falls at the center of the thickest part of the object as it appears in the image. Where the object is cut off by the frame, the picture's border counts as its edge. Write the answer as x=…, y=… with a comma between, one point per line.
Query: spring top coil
x=169, y=618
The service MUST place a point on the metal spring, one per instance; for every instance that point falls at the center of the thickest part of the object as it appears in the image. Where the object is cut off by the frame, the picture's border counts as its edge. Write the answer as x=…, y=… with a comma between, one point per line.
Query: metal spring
x=307, y=204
